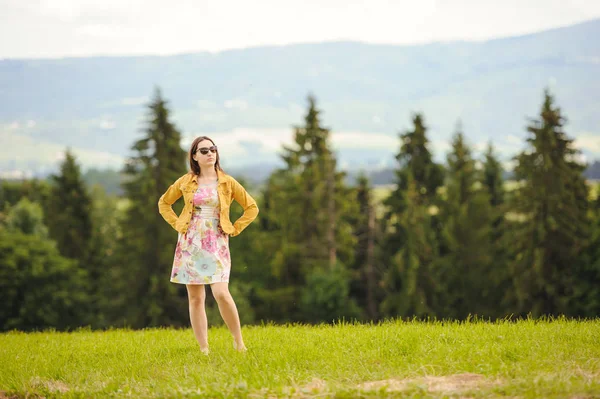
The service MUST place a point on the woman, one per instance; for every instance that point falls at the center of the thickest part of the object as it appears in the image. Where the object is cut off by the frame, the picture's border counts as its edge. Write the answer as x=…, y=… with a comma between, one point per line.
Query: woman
x=202, y=250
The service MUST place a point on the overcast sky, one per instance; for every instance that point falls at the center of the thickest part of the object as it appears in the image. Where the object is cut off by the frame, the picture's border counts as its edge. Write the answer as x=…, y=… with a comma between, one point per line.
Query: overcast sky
x=57, y=28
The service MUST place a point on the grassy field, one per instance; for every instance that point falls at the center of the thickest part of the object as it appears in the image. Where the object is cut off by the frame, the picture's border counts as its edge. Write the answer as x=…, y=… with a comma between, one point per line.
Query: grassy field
x=380, y=193
x=526, y=359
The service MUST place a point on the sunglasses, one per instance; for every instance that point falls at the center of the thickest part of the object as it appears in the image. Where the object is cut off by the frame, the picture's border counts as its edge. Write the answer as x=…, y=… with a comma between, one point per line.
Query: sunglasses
x=204, y=150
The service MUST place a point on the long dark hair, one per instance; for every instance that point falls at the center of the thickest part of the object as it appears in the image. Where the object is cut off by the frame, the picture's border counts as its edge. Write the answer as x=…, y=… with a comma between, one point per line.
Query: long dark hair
x=194, y=167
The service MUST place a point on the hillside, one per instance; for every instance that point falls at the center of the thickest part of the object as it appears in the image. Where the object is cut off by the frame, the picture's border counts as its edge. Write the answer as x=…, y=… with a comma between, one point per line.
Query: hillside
x=249, y=99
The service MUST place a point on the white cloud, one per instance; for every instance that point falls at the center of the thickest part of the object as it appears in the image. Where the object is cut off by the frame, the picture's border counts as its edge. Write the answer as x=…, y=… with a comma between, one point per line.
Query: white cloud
x=16, y=125
x=512, y=139
x=236, y=103
x=71, y=10
x=134, y=100
x=206, y=104
x=589, y=142
x=25, y=151
x=229, y=141
x=52, y=28
x=371, y=140
x=480, y=146
x=439, y=148
x=588, y=59
x=272, y=140
x=16, y=174
x=107, y=31
x=107, y=125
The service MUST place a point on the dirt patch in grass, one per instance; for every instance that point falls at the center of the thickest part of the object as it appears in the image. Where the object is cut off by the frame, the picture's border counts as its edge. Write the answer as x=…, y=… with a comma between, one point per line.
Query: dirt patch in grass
x=316, y=387
x=39, y=388
x=50, y=385
x=449, y=384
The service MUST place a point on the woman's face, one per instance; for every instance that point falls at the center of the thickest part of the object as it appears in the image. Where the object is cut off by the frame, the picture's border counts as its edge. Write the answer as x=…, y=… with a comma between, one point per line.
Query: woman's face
x=205, y=160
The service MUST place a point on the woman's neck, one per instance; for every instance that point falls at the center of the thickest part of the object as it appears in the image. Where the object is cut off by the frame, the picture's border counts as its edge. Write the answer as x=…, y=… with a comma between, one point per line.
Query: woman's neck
x=208, y=172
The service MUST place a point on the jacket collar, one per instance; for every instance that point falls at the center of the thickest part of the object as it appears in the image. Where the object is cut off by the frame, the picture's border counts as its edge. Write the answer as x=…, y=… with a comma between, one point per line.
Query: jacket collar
x=220, y=176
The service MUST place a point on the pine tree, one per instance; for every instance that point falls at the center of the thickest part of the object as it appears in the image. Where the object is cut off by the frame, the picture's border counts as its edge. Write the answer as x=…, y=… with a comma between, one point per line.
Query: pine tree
x=415, y=165
x=415, y=158
x=466, y=215
x=409, y=282
x=315, y=163
x=103, y=254
x=492, y=177
x=69, y=212
x=309, y=207
x=586, y=290
x=146, y=297
x=552, y=200
x=364, y=273
x=69, y=219
x=500, y=287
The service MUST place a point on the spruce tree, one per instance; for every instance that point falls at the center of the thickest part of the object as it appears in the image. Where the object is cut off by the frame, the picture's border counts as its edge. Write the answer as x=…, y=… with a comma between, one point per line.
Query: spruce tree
x=145, y=296
x=365, y=272
x=415, y=158
x=103, y=254
x=415, y=164
x=464, y=269
x=586, y=290
x=492, y=177
x=69, y=219
x=409, y=281
x=552, y=201
x=500, y=287
x=309, y=207
x=69, y=211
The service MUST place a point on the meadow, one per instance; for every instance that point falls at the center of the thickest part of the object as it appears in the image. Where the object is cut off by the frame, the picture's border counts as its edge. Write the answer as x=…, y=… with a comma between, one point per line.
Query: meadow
x=549, y=358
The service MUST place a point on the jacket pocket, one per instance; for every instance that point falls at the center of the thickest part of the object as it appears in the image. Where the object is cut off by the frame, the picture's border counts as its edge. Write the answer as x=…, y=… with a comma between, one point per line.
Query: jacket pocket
x=227, y=193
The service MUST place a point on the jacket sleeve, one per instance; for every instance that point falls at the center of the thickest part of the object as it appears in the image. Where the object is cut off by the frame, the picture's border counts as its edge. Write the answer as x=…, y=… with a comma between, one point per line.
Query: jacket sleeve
x=248, y=204
x=166, y=200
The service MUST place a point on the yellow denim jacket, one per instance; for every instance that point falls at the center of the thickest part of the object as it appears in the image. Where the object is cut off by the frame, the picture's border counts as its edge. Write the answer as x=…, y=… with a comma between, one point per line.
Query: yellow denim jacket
x=228, y=189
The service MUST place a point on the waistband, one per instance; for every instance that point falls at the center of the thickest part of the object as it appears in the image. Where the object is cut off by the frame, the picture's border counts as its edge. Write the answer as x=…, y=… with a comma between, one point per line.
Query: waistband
x=206, y=211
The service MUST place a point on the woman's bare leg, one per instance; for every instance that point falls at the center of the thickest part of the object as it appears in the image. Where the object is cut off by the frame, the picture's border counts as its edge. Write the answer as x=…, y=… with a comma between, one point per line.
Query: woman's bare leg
x=196, y=297
x=228, y=312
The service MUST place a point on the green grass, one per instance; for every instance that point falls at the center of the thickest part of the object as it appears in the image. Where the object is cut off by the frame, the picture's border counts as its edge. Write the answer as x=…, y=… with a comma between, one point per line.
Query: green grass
x=554, y=358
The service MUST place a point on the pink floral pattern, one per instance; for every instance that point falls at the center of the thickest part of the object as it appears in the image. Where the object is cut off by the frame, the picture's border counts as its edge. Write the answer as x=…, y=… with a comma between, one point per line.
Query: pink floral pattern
x=209, y=241
x=202, y=253
x=224, y=252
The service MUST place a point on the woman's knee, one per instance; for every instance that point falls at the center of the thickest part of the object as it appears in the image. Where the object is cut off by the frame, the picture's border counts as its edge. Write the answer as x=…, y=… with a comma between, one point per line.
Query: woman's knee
x=221, y=294
x=196, y=295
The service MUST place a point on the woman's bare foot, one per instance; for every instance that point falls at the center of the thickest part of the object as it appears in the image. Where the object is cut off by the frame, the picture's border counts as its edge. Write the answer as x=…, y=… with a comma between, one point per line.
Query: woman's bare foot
x=205, y=350
x=239, y=347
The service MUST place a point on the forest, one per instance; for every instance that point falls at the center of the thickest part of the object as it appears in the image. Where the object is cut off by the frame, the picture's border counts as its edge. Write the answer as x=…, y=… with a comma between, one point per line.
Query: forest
x=452, y=240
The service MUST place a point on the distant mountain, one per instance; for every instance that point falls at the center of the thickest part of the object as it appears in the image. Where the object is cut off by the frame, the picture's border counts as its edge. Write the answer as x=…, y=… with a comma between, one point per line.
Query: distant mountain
x=249, y=99
x=256, y=176
x=593, y=171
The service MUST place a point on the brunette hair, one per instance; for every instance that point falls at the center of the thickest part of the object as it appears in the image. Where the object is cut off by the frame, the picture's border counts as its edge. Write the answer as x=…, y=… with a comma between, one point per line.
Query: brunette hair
x=194, y=167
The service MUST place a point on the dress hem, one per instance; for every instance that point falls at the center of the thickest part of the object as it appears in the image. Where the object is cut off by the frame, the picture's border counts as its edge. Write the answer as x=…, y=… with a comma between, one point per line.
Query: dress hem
x=179, y=282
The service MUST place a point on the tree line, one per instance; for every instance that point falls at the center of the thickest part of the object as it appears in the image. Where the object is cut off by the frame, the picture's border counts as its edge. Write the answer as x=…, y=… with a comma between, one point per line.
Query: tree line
x=450, y=241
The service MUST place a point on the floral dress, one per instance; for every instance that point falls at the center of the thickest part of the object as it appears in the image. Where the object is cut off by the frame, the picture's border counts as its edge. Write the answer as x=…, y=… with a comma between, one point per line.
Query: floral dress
x=202, y=253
